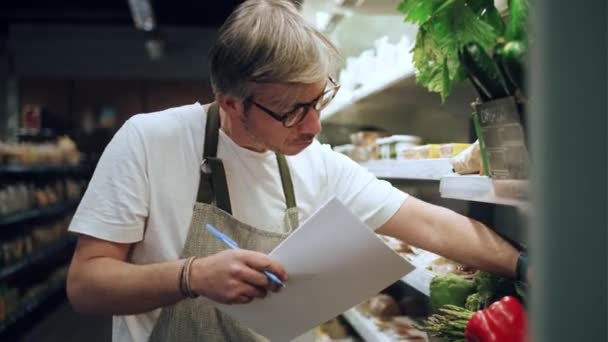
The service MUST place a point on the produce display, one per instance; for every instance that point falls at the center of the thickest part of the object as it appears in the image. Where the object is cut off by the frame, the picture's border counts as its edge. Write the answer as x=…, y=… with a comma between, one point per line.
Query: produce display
x=465, y=305
x=503, y=321
x=453, y=41
x=450, y=289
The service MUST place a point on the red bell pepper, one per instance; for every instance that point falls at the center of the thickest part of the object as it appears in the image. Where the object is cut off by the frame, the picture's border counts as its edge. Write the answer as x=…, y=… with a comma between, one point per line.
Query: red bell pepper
x=503, y=321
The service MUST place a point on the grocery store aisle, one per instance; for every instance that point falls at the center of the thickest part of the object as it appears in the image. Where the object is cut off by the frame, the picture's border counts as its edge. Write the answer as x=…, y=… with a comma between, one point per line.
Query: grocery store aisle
x=65, y=325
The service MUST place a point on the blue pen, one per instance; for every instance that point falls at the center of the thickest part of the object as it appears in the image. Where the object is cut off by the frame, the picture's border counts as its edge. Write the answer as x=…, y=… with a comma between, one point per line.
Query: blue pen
x=233, y=245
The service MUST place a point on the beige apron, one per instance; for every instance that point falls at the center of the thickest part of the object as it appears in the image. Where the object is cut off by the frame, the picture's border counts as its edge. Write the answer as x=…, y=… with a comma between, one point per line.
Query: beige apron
x=198, y=319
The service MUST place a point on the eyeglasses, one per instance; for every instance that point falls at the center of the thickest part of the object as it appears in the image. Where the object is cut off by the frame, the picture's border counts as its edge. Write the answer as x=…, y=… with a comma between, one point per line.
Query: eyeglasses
x=298, y=114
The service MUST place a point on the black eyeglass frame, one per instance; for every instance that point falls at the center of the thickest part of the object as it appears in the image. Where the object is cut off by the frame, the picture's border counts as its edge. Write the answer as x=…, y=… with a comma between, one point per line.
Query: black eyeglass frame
x=285, y=117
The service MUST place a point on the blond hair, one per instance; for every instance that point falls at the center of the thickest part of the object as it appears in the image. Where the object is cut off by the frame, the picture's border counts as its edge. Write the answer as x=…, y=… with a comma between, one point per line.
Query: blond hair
x=269, y=41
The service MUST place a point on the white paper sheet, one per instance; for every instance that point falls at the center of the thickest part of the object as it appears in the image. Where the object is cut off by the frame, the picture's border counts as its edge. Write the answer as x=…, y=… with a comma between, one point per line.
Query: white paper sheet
x=333, y=262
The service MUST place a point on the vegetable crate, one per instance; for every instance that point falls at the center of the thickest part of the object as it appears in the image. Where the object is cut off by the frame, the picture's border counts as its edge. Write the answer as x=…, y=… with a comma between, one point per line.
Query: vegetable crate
x=500, y=128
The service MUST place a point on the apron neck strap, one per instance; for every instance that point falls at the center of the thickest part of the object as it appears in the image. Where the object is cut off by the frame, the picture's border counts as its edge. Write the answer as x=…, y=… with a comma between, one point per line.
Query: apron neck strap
x=213, y=183
x=288, y=191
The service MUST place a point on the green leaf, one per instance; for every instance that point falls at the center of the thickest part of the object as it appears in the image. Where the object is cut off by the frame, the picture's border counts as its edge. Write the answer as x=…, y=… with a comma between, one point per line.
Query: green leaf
x=479, y=5
x=452, y=25
x=418, y=11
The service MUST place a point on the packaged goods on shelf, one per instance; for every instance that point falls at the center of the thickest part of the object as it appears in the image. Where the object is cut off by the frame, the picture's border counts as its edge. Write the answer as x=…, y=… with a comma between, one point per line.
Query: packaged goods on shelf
x=22, y=196
x=430, y=151
x=62, y=152
x=395, y=146
x=17, y=248
x=365, y=146
x=451, y=150
x=468, y=161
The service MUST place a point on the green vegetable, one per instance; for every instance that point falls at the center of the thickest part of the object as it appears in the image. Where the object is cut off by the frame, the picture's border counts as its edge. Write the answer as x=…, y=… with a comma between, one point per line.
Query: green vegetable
x=486, y=283
x=474, y=302
x=491, y=287
x=513, y=59
x=518, y=19
x=445, y=26
x=483, y=71
x=450, y=322
x=450, y=289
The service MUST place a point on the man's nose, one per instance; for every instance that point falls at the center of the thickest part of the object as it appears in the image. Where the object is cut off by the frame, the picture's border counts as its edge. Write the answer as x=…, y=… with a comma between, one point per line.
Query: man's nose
x=311, y=123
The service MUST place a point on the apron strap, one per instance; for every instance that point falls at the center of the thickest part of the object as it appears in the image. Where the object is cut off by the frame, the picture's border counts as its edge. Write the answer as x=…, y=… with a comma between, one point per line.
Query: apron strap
x=213, y=176
x=213, y=183
x=288, y=191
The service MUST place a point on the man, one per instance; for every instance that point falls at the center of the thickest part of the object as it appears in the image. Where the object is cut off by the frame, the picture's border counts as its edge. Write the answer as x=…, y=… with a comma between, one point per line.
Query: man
x=143, y=254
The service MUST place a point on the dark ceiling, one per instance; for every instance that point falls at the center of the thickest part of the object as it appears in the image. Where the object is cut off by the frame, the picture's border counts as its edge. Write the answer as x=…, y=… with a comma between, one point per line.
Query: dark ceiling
x=200, y=13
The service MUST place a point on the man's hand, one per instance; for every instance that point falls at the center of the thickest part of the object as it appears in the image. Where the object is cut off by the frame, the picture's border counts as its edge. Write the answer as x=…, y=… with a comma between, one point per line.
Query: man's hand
x=234, y=276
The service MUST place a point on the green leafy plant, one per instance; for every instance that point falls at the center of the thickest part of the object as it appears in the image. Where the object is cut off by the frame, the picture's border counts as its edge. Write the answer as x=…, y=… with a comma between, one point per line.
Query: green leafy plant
x=444, y=27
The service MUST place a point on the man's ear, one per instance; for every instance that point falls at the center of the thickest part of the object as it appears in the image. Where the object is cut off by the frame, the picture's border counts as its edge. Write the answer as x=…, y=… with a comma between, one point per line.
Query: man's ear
x=232, y=106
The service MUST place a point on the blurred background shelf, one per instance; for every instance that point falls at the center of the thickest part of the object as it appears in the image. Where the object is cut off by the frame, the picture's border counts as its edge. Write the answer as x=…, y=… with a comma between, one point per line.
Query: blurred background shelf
x=422, y=169
x=43, y=170
x=43, y=301
x=365, y=327
x=38, y=257
x=485, y=189
x=48, y=211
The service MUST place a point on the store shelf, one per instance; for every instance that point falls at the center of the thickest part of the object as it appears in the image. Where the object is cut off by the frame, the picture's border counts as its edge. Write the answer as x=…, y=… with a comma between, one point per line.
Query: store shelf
x=420, y=279
x=51, y=210
x=365, y=327
x=485, y=189
x=41, y=170
x=423, y=169
x=31, y=305
x=366, y=92
x=38, y=257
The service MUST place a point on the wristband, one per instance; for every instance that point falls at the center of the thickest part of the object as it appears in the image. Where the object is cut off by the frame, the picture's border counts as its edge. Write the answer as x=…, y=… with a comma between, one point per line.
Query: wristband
x=184, y=279
x=521, y=269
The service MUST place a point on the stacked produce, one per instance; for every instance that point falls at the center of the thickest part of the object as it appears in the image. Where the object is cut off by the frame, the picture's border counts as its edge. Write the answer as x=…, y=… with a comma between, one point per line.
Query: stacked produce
x=486, y=308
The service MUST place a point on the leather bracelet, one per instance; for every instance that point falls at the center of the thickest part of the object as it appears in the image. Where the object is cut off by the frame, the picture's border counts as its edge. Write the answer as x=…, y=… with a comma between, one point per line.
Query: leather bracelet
x=521, y=269
x=189, y=292
x=182, y=288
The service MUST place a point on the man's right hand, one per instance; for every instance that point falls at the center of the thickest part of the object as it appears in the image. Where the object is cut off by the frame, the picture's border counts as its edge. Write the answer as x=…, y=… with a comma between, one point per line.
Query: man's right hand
x=234, y=276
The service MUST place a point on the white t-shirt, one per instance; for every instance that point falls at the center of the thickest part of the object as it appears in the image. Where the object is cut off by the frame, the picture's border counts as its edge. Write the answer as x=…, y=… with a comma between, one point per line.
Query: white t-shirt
x=148, y=176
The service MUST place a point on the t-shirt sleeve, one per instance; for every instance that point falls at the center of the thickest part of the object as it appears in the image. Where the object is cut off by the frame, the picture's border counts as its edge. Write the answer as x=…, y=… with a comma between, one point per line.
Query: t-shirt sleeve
x=374, y=201
x=115, y=204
